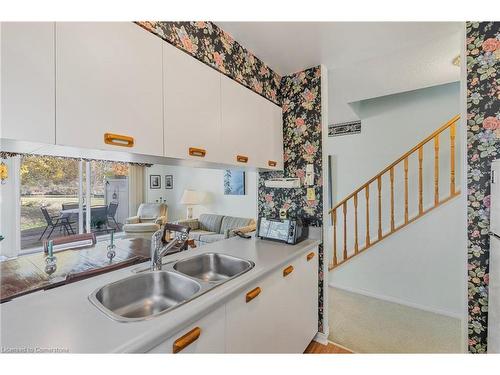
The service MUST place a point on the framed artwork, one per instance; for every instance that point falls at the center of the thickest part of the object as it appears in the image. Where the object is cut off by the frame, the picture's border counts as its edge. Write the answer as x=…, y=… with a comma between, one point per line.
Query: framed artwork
x=169, y=181
x=154, y=181
x=234, y=182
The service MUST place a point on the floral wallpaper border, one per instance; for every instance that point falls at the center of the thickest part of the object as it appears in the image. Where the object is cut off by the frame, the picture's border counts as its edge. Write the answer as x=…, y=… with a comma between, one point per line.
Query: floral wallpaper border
x=483, y=146
x=302, y=136
x=210, y=44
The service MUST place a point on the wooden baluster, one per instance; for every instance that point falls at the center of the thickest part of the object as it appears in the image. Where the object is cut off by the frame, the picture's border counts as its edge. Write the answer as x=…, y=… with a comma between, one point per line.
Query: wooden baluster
x=379, y=184
x=344, y=209
x=406, y=189
x=392, y=198
x=356, y=245
x=436, y=170
x=334, y=215
x=367, y=195
x=452, y=158
x=420, y=181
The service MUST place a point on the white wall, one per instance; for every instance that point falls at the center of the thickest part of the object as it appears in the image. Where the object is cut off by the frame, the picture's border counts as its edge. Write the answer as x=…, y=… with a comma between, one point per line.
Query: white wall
x=208, y=181
x=421, y=265
x=411, y=68
x=391, y=125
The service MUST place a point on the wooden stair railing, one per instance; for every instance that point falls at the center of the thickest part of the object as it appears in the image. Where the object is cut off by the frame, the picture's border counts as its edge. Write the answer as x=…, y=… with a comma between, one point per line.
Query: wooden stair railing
x=342, y=256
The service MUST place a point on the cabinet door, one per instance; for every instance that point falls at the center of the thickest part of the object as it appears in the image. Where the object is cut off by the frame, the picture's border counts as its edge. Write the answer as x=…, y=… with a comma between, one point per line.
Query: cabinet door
x=203, y=336
x=251, y=326
x=192, y=115
x=270, y=154
x=28, y=81
x=242, y=125
x=301, y=315
x=298, y=323
x=109, y=80
x=277, y=138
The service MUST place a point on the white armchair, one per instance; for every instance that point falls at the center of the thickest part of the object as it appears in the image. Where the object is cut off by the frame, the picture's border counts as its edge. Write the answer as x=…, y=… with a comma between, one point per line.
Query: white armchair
x=150, y=218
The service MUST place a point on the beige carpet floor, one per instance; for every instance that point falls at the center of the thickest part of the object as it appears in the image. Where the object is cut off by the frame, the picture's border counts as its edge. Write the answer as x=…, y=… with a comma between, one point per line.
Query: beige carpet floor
x=370, y=325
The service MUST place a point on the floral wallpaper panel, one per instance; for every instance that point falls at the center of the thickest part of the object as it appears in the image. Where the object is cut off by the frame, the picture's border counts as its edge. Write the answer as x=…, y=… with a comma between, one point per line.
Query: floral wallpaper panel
x=483, y=146
x=301, y=104
x=216, y=48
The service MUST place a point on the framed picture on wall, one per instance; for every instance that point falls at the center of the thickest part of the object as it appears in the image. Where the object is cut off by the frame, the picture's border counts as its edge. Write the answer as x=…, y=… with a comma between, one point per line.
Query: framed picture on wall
x=234, y=182
x=154, y=181
x=169, y=181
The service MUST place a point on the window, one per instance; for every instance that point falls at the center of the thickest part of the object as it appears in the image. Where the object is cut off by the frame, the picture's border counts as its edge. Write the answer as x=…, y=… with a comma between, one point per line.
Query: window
x=51, y=198
x=47, y=186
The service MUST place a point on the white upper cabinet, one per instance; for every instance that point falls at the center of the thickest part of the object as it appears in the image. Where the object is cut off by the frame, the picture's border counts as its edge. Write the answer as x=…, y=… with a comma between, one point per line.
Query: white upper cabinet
x=109, y=81
x=270, y=127
x=27, y=81
x=192, y=107
x=276, y=124
x=249, y=126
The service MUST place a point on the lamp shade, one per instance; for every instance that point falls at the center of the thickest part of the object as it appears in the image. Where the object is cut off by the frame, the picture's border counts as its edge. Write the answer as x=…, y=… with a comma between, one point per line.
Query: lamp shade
x=190, y=197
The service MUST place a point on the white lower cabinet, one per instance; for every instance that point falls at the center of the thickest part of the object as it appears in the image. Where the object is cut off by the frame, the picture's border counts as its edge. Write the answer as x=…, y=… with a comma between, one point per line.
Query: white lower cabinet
x=204, y=336
x=283, y=317
x=298, y=317
x=251, y=318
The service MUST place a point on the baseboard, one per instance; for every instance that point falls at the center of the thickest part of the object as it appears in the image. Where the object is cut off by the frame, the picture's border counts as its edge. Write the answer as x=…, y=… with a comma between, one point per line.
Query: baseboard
x=322, y=338
x=397, y=300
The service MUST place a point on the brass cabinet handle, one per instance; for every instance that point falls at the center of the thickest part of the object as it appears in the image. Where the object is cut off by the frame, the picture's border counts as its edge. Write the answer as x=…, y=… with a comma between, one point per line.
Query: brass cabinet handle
x=287, y=271
x=199, y=152
x=118, y=140
x=241, y=159
x=310, y=256
x=186, y=340
x=272, y=163
x=253, y=293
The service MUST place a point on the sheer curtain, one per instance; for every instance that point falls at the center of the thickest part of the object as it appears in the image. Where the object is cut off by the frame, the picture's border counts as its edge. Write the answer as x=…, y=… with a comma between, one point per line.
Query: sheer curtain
x=136, y=189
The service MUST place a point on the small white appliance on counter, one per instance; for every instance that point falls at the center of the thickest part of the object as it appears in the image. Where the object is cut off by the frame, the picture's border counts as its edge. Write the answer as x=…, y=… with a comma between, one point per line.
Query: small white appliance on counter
x=494, y=285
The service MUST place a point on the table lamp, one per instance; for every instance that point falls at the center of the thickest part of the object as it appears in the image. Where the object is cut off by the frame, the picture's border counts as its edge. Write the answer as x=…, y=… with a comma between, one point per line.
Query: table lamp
x=190, y=198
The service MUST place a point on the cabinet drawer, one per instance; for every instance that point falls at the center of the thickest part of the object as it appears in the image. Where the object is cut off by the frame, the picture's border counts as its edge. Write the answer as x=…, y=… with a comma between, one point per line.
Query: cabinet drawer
x=203, y=336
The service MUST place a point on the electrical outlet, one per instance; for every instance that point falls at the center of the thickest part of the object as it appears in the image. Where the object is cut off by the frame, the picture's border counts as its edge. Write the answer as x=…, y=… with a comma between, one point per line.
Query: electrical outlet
x=311, y=194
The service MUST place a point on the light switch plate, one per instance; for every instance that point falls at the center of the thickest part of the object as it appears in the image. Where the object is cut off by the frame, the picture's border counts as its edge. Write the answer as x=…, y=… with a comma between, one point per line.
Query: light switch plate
x=311, y=194
x=309, y=179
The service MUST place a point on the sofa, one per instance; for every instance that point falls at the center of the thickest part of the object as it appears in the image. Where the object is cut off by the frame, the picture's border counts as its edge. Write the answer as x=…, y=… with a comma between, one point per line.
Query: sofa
x=210, y=228
x=150, y=218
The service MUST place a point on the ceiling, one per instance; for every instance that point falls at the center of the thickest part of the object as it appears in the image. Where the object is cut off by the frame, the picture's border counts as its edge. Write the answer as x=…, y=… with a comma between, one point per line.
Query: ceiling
x=288, y=47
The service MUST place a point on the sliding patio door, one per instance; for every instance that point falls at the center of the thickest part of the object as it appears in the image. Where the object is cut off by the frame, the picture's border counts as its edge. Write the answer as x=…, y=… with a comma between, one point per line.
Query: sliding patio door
x=61, y=196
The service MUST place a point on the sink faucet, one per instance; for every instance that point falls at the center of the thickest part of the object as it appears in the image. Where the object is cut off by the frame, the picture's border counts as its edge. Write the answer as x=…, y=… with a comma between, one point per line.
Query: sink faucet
x=158, y=250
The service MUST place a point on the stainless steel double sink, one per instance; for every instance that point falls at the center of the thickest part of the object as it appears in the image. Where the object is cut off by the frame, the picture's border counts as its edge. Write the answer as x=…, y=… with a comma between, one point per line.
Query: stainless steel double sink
x=151, y=293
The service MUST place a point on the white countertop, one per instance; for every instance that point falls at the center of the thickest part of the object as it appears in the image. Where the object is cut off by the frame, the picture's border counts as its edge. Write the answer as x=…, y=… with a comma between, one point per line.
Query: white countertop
x=64, y=318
